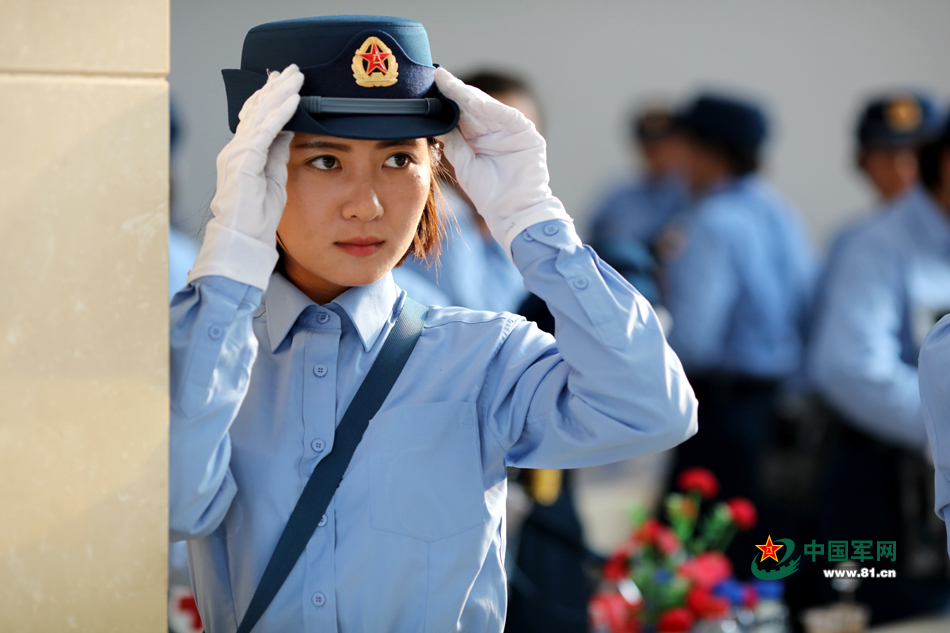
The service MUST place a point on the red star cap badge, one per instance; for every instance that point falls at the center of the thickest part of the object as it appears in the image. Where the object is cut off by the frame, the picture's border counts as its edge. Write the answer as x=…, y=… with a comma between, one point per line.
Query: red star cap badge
x=375, y=58
x=769, y=549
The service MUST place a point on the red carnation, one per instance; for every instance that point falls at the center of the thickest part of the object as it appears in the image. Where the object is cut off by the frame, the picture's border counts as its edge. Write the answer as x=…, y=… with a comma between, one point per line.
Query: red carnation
x=666, y=541
x=743, y=513
x=647, y=532
x=750, y=597
x=611, y=611
x=676, y=620
x=700, y=480
x=616, y=568
x=704, y=604
x=707, y=570
x=654, y=533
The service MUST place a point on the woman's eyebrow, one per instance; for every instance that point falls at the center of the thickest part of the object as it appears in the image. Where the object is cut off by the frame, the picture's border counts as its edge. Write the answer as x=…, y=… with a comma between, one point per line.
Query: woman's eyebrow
x=396, y=143
x=321, y=144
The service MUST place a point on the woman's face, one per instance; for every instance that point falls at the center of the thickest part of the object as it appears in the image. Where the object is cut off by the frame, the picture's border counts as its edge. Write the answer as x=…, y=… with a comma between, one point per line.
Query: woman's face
x=352, y=210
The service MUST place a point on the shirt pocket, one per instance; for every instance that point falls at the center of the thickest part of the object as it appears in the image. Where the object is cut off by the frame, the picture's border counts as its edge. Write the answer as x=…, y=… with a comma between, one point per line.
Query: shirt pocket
x=425, y=471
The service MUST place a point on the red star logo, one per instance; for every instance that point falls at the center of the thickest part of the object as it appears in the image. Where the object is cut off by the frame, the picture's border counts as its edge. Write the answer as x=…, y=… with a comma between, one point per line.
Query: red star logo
x=375, y=59
x=769, y=550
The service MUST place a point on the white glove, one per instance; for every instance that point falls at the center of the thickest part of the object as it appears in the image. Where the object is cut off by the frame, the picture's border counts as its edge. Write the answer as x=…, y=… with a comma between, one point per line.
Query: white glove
x=500, y=162
x=241, y=239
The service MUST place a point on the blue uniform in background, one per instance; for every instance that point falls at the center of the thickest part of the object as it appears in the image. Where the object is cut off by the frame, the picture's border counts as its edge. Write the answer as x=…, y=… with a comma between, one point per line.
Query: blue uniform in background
x=182, y=253
x=473, y=270
x=259, y=383
x=739, y=290
x=886, y=284
x=738, y=293
x=638, y=210
x=935, y=401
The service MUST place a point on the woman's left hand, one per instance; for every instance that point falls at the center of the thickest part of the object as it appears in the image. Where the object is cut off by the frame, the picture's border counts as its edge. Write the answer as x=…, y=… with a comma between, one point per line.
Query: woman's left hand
x=500, y=161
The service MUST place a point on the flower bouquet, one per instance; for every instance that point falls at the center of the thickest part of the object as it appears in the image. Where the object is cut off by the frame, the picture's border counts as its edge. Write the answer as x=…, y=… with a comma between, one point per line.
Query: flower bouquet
x=665, y=576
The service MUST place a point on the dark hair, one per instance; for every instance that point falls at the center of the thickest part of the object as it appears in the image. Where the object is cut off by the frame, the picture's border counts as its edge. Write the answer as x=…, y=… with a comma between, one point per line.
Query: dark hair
x=650, y=124
x=929, y=159
x=494, y=82
x=741, y=161
x=427, y=243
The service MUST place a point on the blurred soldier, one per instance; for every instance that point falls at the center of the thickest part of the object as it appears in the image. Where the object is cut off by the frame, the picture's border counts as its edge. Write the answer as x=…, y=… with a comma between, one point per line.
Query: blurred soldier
x=638, y=209
x=888, y=133
x=737, y=291
x=473, y=270
x=886, y=286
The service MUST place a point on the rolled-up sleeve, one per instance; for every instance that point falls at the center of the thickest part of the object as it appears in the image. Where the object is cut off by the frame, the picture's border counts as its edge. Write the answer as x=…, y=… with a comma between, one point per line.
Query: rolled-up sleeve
x=935, y=402
x=212, y=350
x=608, y=389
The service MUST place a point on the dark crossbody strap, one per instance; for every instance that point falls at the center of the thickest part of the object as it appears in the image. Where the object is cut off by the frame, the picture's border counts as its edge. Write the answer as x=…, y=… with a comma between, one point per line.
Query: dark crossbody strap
x=327, y=475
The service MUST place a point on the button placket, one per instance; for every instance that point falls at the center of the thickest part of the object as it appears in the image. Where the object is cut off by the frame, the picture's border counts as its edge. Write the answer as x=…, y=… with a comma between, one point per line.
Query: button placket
x=319, y=398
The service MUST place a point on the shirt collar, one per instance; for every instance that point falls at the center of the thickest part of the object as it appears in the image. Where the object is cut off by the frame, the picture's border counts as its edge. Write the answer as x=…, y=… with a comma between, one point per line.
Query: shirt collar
x=367, y=307
x=931, y=219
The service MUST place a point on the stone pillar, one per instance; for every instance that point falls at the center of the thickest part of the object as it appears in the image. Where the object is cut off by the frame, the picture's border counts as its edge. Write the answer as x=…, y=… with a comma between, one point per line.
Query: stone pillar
x=83, y=315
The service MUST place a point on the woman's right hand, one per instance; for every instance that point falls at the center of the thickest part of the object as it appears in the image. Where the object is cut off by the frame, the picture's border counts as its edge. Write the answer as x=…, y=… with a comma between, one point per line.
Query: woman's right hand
x=240, y=241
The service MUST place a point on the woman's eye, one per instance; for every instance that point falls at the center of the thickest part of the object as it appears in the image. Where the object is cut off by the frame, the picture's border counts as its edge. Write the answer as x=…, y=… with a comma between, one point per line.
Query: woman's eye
x=325, y=162
x=398, y=160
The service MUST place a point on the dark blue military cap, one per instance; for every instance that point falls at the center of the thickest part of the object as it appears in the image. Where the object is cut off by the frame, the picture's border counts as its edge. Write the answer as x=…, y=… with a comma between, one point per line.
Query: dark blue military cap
x=735, y=124
x=365, y=77
x=903, y=119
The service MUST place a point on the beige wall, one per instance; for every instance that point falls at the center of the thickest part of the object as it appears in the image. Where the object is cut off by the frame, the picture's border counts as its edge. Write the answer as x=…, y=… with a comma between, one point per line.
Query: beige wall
x=83, y=325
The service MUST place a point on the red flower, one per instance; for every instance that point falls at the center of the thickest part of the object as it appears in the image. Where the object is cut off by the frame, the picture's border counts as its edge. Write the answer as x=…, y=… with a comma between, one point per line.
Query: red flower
x=666, y=541
x=750, y=597
x=700, y=480
x=707, y=570
x=646, y=533
x=611, y=612
x=743, y=513
x=616, y=568
x=704, y=604
x=676, y=620
x=654, y=533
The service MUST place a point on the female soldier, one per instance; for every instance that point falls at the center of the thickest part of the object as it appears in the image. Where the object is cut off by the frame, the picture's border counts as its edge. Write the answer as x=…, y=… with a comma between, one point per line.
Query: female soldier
x=266, y=364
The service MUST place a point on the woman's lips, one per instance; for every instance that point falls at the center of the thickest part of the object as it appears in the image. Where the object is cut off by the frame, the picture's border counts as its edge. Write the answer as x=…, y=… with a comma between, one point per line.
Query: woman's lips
x=360, y=246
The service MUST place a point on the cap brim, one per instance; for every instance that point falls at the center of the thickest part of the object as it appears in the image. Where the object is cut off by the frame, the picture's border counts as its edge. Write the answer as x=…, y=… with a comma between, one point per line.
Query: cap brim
x=241, y=84
x=377, y=127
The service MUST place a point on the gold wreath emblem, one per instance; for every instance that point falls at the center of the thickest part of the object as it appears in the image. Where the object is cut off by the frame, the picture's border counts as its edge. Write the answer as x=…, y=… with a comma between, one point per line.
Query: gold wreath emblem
x=903, y=114
x=374, y=65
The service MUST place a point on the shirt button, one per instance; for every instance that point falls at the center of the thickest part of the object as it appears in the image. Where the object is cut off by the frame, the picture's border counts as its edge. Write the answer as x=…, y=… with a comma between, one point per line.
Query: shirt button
x=318, y=599
x=550, y=229
x=323, y=521
x=323, y=317
x=320, y=370
x=527, y=237
x=580, y=283
x=215, y=332
x=318, y=445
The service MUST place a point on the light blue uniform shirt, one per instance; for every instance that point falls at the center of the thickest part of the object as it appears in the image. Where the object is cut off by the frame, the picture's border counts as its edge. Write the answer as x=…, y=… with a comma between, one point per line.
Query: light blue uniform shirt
x=414, y=539
x=739, y=290
x=638, y=210
x=935, y=401
x=474, y=271
x=889, y=283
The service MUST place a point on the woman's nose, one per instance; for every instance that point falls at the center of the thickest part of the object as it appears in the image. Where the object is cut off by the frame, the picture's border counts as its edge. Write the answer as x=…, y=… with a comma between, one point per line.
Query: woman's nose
x=362, y=204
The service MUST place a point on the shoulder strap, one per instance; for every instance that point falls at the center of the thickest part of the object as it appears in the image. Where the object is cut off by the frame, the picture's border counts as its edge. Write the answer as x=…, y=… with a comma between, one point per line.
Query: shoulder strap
x=327, y=475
